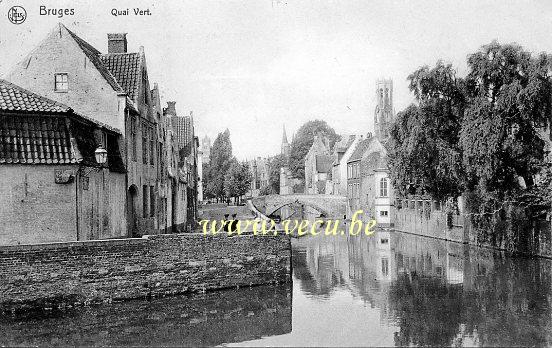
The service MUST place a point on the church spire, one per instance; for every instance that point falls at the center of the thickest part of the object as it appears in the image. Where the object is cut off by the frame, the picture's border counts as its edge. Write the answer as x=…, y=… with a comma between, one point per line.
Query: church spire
x=285, y=145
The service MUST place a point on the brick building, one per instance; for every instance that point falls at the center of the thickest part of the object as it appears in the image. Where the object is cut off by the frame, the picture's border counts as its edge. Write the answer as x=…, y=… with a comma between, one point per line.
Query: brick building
x=188, y=149
x=53, y=189
x=341, y=153
x=112, y=89
x=368, y=184
x=318, y=165
x=172, y=182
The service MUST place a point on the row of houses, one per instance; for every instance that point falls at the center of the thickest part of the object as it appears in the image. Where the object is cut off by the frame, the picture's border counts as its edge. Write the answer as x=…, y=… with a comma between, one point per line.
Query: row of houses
x=87, y=150
x=355, y=166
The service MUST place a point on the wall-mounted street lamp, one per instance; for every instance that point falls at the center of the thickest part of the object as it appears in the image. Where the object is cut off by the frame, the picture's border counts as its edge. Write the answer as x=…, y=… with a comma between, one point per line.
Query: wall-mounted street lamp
x=67, y=176
x=100, y=154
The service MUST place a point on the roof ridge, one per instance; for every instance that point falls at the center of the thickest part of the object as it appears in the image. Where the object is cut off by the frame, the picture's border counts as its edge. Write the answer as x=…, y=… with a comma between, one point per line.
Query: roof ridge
x=94, y=55
x=68, y=108
x=117, y=53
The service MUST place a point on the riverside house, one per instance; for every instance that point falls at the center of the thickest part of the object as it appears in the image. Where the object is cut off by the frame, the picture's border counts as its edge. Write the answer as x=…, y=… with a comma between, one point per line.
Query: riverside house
x=55, y=186
x=112, y=89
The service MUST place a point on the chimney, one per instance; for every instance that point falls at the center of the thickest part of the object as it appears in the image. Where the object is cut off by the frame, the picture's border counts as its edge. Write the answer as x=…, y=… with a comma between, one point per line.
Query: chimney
x=117, y=43
x=170, y=110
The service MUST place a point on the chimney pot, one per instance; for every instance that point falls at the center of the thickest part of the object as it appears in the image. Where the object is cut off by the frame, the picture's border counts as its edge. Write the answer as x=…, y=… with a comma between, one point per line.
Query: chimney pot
x=117, y=43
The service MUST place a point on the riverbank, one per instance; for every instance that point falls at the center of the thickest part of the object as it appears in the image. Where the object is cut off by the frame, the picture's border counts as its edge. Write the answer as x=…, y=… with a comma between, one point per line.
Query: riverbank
x=60, y=275
x=524, y=237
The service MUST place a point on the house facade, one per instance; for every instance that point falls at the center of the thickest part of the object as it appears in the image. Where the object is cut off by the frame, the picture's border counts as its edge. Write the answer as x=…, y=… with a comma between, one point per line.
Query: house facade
x=54, y=189
x=368, y=184
x=113, y=90
x=376, y=188
x=318, y=165
x=341, y=153
x=354, y=180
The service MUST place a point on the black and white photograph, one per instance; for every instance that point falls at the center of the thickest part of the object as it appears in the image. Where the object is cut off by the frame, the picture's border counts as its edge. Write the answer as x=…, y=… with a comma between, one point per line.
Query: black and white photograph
x=275, y=173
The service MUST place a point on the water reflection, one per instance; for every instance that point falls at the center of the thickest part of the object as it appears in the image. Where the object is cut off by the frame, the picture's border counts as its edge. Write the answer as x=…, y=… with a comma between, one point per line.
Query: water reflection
x=198, y=320
x=384, y=290
x=432, y=292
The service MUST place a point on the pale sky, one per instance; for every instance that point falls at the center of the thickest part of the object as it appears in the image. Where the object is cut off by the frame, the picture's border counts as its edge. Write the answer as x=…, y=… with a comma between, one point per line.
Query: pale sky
x=254, y=65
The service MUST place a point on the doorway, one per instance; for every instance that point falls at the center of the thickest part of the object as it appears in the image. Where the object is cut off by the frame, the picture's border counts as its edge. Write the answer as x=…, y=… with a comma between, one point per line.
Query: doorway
x=132, y=196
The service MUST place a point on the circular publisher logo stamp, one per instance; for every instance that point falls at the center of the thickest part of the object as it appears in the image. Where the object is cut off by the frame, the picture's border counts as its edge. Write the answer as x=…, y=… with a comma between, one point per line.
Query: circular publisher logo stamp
x=17, y=14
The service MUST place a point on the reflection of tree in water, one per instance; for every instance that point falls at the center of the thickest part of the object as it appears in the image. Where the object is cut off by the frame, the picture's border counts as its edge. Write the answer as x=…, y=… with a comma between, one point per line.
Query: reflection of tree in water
x=317, y=273
x=427, y=310
x=502, y=301
x=510, y=303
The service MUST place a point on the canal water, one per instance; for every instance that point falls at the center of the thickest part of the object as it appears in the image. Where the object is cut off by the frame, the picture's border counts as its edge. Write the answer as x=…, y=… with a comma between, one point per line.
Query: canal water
x=386, y=289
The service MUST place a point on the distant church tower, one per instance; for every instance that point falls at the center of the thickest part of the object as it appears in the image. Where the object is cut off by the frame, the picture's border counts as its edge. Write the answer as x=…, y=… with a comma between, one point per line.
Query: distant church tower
x=285, y=144
x=384, y=115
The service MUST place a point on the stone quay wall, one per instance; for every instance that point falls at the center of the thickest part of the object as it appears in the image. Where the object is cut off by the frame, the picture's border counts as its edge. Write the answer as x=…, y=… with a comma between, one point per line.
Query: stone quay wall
x=80, y=273
x=428, y=218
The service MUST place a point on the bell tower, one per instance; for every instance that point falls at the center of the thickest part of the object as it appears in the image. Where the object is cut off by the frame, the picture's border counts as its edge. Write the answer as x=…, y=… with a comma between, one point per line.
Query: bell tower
x=383, y=115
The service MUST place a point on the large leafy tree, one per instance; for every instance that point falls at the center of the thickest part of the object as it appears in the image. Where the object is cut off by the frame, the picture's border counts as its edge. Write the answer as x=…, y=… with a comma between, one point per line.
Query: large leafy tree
x=237, y=180
x=425, y=156
x=302, y=142
x=219, y=164
x=479, y=134
x=509, y=95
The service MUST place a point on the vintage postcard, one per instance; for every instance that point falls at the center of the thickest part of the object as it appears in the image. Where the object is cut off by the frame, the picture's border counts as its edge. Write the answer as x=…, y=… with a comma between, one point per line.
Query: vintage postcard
x=275, y=173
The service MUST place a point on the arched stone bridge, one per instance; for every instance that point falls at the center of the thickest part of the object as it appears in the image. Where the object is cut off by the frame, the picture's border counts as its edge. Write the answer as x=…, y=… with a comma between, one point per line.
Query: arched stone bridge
x=329, y=205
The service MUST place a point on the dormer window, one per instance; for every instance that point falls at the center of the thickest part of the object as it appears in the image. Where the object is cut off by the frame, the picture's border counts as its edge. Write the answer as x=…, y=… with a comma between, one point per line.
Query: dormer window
x=61, y=82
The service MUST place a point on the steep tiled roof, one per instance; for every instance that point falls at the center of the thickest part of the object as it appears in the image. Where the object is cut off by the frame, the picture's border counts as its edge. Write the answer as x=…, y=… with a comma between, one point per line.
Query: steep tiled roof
x=375, y=160
x=359, y=151
x=343, y=144
x=38, y=139
x=37, y=130
x=15, y=98
x=125, y=67
x=35, y=139
x=94, y=56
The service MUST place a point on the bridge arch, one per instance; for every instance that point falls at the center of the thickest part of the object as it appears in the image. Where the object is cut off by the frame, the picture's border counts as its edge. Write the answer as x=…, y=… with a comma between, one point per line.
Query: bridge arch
x=329, y=205
x=309, y=204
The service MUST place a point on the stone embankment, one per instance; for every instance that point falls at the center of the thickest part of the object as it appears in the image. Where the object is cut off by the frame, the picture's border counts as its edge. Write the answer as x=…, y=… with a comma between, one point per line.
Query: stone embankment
x=79, y=273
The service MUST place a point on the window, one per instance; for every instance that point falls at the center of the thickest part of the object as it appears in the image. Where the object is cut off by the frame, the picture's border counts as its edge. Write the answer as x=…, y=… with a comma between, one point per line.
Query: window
x=152, y=201
x=144, y=143
x=384, y=213
x=385, y=266
x=152, y=146
x=145, y=201
x=133, y=137
x=383, y=187
x=61, y=82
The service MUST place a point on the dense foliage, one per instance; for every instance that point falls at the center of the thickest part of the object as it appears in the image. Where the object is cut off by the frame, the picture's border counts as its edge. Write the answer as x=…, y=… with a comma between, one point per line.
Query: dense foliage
x=221, y=159
x=237, y=180
x=482, y=133
x=225, y=177
x=426, y=154
x=302, y=142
